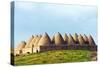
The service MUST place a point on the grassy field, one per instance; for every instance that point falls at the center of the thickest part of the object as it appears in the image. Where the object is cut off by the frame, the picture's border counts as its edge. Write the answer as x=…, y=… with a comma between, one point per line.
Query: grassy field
x=57, y=56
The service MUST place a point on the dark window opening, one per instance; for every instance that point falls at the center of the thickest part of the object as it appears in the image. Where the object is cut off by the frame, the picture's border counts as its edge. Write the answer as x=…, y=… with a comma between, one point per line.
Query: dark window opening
x=77, y=42
x=87, y=42
x=20, y=51
x=17, y=54
x=28, y=52
x=37, y=51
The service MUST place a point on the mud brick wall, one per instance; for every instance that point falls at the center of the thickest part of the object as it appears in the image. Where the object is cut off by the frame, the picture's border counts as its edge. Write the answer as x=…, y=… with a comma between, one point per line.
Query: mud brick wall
x=93, y=48
x=68, y=47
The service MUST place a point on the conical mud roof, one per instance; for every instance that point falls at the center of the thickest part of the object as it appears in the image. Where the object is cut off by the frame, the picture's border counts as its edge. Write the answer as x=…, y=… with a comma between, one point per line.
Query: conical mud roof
x=70, y=40
x=65, y=38
x=75, y=36
x=81, y=40
x=37, y=40
x=91, y=41
x=85, y=39
x=29, y=41
x=58, y=39
x=33, y=41
x=45, y=40
x=21, y=45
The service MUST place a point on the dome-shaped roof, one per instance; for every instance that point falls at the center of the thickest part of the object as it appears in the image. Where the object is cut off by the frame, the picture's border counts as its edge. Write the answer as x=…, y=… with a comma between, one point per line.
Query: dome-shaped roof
x=85, y=39
x=58, y=39
x=81, y=40
x=70, y=40
x=37, y=40
x=91, y=41
x=29, y=41
x=44, y=41
x=65, y=38
x=21, y=45
x=75, y=37
x=33, y=41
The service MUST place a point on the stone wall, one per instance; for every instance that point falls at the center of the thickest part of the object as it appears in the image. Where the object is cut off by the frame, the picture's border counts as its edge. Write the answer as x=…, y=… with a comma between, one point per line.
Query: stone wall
x=68, y=47
x=27, y=50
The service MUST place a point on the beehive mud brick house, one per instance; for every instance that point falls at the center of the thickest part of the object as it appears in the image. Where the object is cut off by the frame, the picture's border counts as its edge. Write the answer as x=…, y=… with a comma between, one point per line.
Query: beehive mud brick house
x=41, y=43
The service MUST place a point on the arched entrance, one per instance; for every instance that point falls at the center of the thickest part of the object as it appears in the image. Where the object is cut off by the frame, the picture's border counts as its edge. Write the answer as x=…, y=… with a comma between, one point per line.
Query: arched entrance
x=37, y=51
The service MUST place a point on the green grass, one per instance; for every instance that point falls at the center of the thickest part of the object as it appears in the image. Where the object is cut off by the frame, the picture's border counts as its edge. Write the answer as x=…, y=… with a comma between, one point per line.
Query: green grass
x=56, y=56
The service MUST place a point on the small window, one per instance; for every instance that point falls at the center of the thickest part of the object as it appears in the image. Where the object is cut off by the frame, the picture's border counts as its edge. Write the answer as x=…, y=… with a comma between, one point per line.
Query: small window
x=28, y=52
x=20, y=51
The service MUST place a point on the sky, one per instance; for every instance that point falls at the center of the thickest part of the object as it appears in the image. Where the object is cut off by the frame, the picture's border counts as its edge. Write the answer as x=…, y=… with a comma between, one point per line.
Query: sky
x=31, y=18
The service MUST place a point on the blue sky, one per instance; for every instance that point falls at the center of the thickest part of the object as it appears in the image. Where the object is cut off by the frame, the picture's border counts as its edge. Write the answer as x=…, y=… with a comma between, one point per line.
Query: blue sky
x=36, y=18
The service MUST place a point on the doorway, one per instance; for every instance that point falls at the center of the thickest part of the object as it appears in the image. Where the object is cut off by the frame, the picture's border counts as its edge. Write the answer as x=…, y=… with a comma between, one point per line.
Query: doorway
x=37, y=51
